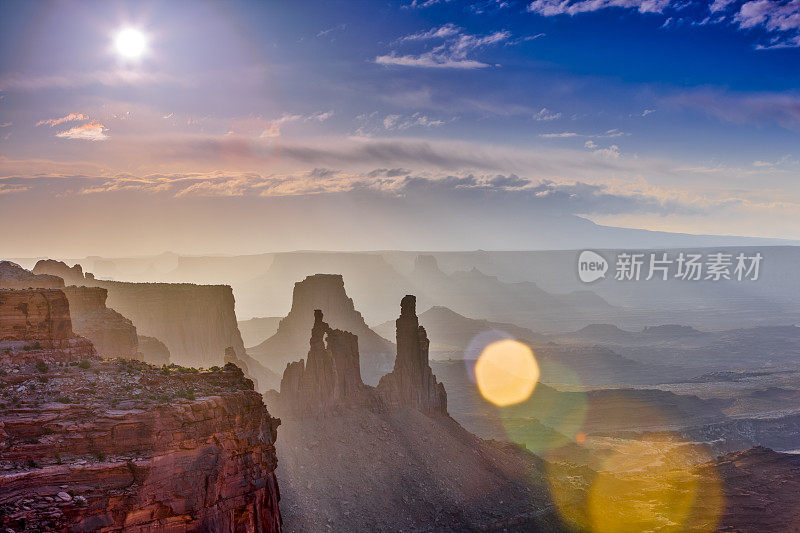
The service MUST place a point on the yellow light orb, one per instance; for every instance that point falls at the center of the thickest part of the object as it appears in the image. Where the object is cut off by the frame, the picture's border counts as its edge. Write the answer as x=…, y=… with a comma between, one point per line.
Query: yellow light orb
x=506, y=372
x=130, y=43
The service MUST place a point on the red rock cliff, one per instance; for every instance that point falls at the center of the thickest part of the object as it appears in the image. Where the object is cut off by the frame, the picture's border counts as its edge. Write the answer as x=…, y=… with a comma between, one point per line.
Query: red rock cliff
x=36, y=324
x=122, y=446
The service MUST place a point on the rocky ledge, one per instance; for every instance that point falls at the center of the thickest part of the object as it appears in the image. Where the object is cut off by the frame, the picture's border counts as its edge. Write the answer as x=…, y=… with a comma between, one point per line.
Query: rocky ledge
x=120, y=445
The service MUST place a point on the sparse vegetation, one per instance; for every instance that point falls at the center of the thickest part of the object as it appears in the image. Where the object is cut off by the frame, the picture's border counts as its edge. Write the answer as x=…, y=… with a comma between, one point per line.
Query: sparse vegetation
x=41, y=367
x=63, y=399
x=85, y=364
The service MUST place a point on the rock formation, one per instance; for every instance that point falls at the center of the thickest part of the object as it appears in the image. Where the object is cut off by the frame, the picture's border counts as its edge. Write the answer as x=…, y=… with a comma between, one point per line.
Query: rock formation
x=412, y=383
x=325, y=292
x=153, y=351
x=329, y=379
x=71, y=275
x=112, y=334
x=123, y=446
x=36, y=324
x=13, y=276
x=195, y=322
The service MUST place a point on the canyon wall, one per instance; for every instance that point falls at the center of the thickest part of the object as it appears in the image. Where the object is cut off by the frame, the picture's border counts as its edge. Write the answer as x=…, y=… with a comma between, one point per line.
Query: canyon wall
x=195, y=322
x=112, y=334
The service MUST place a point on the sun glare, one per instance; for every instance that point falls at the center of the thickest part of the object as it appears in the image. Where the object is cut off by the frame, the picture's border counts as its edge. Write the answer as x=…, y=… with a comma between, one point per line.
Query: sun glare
x=130, y=43
x=506, y=372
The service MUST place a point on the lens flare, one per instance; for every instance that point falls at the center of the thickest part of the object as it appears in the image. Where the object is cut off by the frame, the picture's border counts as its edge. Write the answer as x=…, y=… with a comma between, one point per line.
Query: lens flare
x=506, y=372
x=656, y=482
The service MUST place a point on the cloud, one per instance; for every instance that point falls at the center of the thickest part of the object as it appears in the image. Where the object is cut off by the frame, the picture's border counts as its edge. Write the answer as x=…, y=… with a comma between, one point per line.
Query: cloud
x=72, y=117
x=323, y=33
x=6, y=124
x=574, y=197
x=451, y=53
x=69, y=80
x=91, y=131
x=782, y=108
x=550, y=8
x=591, y=145
x=562, y=135
x=648, y=112
x=442, y=32
x=612, y=152
x=274, y=126
x=420, y=4
x=397, y=122
x=546, y=115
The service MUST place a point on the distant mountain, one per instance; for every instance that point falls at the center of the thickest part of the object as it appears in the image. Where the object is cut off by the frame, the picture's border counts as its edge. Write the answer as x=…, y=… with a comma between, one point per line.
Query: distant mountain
x=257, y=330
x=474, y=293
x=325, y=292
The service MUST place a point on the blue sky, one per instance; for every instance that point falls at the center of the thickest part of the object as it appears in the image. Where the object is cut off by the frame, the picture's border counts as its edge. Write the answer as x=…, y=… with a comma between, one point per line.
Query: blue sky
x=675, y=116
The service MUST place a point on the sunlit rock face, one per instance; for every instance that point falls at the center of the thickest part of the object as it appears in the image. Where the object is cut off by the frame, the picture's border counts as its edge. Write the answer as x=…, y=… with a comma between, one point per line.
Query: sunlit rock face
x=412, y=383
x=112, y=334
x=325, y=292
x=36, y=324
x=124, y=446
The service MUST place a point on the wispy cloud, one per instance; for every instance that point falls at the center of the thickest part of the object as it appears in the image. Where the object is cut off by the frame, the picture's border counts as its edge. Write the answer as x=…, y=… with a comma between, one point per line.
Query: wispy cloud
x=452, y=53
x=562, y=135
x=545, y=114
x=91, y=131
x=567, y=7
x=398, y=122
x=782, y=108
x=274, y=126
x=72, y=117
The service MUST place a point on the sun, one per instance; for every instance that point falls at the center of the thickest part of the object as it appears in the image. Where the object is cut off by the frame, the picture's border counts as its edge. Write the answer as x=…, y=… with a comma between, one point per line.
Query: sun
x=130, y=43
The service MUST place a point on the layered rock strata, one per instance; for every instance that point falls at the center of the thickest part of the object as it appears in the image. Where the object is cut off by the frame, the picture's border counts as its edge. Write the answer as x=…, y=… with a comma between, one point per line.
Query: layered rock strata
x=123, y=446
x=36, y=324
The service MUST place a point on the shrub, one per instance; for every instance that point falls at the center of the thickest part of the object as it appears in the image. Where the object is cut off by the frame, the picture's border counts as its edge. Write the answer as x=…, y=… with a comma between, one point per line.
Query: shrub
x=63, y=399
x=188, y=394
x=84, y=364
x=41, y=367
